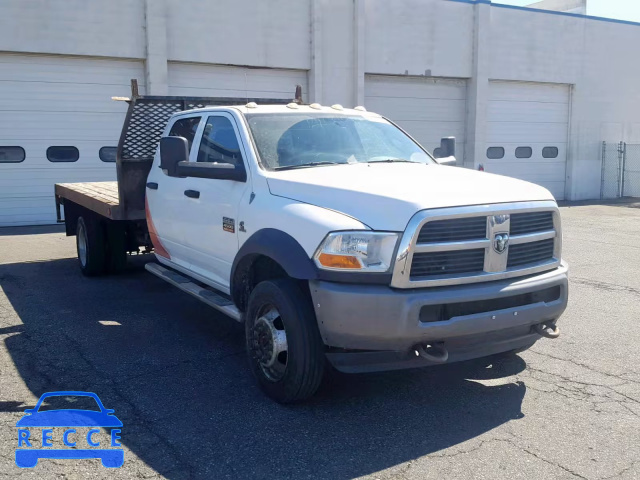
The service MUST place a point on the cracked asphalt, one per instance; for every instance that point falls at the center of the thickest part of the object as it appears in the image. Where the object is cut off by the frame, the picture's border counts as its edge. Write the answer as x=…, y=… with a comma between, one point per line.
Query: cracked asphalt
x=175, y=372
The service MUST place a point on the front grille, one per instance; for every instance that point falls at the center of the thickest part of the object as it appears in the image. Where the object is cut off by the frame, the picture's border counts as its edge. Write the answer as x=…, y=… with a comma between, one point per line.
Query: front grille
x=455, y=230
x=534, y=252
x=523, y=223
x=447, y=248
x=447, y=311
x=447, y=263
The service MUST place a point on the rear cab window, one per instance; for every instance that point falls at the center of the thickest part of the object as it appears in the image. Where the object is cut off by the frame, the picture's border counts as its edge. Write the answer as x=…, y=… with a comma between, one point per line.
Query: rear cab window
x=186, y=128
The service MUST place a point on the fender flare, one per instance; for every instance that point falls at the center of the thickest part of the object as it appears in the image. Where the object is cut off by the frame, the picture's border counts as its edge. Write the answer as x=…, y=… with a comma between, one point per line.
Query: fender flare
x=280, y=247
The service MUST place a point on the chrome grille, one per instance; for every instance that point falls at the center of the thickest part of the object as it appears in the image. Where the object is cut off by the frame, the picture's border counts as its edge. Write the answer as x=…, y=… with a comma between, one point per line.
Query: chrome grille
x=465, y=245
x=534, y=252
x=453, y=230
x=523, y=223
x=443, y=263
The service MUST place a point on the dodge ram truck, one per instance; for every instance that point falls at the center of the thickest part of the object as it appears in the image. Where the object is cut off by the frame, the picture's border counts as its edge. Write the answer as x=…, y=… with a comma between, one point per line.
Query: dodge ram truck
x=332, y=235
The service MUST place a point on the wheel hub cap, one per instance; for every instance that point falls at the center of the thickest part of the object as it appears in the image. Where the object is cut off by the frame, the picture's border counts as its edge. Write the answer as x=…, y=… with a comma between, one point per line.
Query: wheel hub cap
x=269, y=343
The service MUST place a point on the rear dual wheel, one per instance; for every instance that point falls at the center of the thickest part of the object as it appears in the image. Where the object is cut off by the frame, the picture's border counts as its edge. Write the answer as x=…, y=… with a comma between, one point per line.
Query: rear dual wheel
x=101, y=248
x=286, y=353
x=91, y=246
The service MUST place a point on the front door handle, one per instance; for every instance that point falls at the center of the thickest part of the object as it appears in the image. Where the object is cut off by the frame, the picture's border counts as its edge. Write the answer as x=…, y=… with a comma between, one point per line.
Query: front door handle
x=152, y=185
x=192, y=193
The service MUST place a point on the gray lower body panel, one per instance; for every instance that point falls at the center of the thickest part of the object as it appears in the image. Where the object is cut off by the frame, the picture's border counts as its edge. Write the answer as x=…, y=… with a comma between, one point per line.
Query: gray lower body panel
x=374, y=327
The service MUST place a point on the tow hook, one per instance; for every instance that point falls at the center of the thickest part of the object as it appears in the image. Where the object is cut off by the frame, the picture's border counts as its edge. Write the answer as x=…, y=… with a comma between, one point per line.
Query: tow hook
x=433, y=352
x=547, y=330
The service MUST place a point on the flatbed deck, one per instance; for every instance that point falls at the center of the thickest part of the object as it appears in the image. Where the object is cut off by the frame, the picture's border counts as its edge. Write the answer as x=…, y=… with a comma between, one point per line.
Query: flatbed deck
x=100, y=197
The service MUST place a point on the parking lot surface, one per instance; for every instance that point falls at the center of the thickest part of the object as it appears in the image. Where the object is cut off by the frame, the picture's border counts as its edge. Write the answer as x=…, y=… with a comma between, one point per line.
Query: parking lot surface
x=175, y=373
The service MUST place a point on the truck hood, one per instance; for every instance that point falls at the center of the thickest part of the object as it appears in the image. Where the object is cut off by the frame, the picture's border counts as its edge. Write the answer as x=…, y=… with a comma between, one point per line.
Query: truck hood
x=385, y=196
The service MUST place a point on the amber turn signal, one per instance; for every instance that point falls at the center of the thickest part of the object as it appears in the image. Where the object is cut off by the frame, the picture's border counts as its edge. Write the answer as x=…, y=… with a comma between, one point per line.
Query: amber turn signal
x=339, y=261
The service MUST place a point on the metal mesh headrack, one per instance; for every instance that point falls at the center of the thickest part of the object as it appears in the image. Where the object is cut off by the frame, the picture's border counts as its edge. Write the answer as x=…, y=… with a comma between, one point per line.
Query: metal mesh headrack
x=148, y=116
x=143, y=126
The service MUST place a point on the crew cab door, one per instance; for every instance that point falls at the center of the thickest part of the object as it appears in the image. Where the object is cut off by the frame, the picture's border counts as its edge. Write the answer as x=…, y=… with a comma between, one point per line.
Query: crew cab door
x=164, y=196
x=210, y=206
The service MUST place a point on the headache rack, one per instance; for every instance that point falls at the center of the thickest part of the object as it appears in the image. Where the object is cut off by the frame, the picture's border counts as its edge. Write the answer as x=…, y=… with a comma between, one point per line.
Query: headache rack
x=146, y=119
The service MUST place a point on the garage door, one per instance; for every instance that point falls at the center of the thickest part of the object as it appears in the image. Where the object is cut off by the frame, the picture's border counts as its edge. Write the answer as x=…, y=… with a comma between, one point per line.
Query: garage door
x=58, y=114
x=527, y=133
x=427, y=108
x=223, y=81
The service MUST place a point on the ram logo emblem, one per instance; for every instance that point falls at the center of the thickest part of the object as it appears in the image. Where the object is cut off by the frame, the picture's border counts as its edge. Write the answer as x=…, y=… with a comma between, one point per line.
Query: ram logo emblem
x=500, y=242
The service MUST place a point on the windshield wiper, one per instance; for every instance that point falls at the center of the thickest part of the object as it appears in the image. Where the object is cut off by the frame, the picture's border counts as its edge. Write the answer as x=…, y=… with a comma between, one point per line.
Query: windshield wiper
x=392, y=160
x=305, y=165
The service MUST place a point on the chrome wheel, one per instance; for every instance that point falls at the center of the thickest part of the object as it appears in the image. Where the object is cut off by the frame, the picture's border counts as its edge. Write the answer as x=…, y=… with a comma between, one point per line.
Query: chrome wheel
x=82, y=244
x=269, y=343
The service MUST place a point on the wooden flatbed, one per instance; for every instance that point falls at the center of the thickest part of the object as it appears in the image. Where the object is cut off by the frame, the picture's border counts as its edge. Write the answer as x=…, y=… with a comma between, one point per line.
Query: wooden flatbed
x=99, y=197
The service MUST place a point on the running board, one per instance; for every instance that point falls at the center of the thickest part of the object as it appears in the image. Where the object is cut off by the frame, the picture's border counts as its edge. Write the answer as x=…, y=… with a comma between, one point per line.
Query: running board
x=204, y=294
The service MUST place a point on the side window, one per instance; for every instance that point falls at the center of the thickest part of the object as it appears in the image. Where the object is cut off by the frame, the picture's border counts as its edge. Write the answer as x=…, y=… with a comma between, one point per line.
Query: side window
x=219, y=142
x=495, y=153
x=524, y=152
x=550, y=152
x=186, y=128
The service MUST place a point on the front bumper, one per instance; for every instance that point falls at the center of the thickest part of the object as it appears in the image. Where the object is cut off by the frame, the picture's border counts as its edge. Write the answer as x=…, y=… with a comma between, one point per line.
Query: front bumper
x=374, y=327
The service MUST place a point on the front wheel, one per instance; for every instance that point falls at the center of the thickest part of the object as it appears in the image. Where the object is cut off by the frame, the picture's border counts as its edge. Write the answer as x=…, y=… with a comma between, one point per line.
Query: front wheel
x=286, y=353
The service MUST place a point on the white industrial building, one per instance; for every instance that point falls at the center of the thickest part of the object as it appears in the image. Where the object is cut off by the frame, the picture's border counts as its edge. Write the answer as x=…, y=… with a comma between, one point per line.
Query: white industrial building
x=527, y=92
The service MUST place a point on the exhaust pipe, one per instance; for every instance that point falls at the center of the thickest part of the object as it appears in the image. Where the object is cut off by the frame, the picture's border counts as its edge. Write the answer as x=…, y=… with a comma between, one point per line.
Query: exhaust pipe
x=547, y=330
x=436, y=353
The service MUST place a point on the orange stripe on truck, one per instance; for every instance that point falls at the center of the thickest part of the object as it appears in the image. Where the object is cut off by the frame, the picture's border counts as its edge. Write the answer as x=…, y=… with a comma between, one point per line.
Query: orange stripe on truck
x=157, y=244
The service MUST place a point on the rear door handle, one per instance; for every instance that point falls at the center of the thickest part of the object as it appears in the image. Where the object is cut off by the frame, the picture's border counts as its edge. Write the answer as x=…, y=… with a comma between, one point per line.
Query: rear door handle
x=192, y=193
x=152, y=185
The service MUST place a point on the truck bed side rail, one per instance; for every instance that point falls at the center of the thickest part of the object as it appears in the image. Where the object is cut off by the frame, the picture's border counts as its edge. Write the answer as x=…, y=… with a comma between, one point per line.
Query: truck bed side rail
x=146, y=119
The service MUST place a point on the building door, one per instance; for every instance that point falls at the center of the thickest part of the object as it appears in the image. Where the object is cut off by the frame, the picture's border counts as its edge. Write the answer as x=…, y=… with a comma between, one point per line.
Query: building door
x=58, y=111
x=426, y=108
x=527, y=131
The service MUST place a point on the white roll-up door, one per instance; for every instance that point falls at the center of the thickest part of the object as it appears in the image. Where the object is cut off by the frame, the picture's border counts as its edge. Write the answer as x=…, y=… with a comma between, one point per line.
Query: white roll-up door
x=530, y=122
x=57, y=101
x=197, y=80
x=427, y=108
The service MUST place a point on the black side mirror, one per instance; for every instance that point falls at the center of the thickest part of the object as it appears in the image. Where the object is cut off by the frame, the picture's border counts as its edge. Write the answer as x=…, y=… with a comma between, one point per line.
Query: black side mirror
x=446, y=149
x=173, y=150
x=445, y=154
x=219, y=171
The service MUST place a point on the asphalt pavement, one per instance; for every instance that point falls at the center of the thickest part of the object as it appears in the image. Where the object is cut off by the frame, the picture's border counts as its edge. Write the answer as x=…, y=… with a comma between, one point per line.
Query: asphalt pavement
x=175, y=372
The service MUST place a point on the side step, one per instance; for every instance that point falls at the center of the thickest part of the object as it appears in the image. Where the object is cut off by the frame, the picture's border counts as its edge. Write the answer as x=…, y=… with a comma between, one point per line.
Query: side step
x=204, y=294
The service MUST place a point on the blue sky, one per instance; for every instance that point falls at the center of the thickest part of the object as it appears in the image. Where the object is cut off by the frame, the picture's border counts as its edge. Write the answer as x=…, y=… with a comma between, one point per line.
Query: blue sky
x=619, y=9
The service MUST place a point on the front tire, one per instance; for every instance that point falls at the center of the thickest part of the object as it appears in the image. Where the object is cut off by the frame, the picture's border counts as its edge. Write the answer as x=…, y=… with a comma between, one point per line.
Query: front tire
x=91, y=247
x=286, y=353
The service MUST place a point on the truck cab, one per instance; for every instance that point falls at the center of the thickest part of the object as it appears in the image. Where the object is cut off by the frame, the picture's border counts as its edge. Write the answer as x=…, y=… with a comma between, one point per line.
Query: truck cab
x=337, y=236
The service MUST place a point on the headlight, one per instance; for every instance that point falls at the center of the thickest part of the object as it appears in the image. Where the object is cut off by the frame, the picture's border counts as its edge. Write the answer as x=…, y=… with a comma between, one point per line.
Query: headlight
x=357, y=251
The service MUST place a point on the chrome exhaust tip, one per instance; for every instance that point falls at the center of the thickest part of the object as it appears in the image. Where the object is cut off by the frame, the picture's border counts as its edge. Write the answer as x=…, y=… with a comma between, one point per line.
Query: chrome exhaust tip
x=434, y=352
x=547, y=330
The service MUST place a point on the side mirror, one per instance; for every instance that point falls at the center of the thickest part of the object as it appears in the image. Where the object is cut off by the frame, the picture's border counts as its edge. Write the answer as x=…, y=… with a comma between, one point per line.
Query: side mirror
x=173, y=150
x=219, y=171
x=30, y=410
x=446, y=152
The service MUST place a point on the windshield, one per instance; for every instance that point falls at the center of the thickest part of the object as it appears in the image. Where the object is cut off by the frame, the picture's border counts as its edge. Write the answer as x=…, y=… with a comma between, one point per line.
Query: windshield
x=299, y=140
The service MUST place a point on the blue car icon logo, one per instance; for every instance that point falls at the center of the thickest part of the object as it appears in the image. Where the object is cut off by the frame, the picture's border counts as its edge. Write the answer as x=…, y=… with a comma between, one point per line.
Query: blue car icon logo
x=68, y=418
